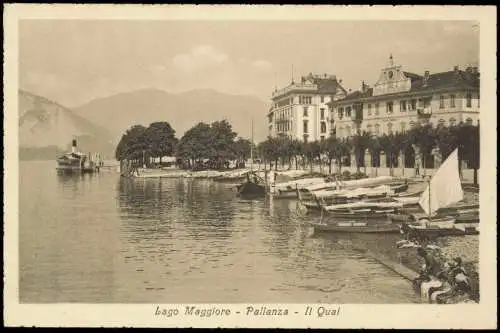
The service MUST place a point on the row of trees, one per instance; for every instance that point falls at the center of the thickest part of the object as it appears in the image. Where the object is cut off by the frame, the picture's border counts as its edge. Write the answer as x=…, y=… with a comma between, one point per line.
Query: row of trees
x=218, y=144
x=215, y=142
x=422, y=138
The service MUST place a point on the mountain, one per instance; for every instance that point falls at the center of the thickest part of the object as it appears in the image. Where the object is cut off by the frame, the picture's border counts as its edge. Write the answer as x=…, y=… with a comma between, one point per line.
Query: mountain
x=119, y=112
x=46, y=128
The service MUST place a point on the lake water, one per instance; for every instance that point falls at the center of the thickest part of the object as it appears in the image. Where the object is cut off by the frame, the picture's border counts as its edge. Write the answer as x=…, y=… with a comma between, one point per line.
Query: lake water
x=103, y=239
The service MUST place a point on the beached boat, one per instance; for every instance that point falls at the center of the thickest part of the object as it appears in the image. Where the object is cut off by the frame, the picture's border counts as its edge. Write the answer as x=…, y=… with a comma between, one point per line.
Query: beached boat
x=355, y=227
x=289, y=189
x=327, y=197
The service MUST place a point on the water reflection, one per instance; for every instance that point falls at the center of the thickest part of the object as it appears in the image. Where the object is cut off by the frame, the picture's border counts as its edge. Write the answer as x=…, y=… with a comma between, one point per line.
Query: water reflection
x=104, y=238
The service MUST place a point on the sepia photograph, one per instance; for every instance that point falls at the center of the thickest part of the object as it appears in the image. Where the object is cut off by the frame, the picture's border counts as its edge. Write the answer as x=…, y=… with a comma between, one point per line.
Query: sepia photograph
x=251, y=169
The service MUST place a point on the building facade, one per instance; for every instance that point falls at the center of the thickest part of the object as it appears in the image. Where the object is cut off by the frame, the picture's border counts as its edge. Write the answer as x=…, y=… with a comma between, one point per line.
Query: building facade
x=399, y=100
x=301, y=111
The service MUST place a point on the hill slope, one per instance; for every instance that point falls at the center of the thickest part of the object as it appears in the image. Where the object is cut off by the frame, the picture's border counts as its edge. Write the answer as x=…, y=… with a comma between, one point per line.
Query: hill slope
x=47, y=126
x=182, y=111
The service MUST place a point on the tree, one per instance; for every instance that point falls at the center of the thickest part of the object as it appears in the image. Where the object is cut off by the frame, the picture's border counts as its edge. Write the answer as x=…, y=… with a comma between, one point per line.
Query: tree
x=424, y=137
x=296, y=151
x=221, y=142
x=242, y=149
x=161, y=139
x=133, y=145
x=331, y=145
x=360, y=143
x=468, y=137
x=314, y=153
x=390, y=146
x=195, y=144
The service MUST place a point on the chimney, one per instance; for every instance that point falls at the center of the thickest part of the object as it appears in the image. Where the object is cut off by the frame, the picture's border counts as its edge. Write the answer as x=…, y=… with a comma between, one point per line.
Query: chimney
x=426, y=77
x=364, y=87
x=73, y=146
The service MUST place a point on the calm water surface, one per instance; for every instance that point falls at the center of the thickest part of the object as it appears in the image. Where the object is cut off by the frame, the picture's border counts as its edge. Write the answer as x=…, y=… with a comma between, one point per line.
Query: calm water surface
x=99, y=238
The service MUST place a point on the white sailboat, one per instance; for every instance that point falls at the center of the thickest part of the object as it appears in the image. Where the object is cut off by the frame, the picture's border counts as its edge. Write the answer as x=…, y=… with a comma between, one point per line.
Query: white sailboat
x=443, y=190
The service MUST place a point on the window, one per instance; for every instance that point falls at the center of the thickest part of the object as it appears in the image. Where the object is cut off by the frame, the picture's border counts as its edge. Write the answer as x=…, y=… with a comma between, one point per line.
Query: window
x=348, y=130
x=389, y=106
x=468, y=98
x=348, y=111
x=369, y=109
x=441, y=123
x=413, y=103
x=389, y=128
x=306, y=123
x=402, y=106
x=305, y=99
x=322, y=138
x=305, y=111
x=452, y=101
x=403, y=126
x=341, y=131
x=322, y=113
x=427, y=102
x=322, y=99
x=369, y=128
x=376, y=109
x=412, y=124
x=323, y=127
x=441, y=102
x=377, y=129
x=341, y=113
x=453, y=121
x=305, y=138
x=468, y=121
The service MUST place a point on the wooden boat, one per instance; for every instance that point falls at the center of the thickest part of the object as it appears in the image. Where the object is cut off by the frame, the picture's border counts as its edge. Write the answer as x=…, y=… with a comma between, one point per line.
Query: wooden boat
x=254, y=186
x=250, y=189
x=467, y=218
x=289, y=189
x=356, y=227
x=230, y=178
x=444, y=190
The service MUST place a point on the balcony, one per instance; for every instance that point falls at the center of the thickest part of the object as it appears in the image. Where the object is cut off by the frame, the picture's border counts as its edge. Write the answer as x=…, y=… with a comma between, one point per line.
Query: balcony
x=424, y=112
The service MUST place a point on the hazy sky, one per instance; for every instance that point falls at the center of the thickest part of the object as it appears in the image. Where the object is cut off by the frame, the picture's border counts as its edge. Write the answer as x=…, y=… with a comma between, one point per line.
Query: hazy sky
x=74, y=61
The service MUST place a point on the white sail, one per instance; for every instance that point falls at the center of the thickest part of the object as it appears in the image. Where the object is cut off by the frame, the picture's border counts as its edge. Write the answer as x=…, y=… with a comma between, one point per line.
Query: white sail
x=445, y=187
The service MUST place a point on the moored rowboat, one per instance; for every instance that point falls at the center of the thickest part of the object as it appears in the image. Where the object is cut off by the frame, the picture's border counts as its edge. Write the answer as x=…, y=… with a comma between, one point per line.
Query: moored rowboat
x=355, y=227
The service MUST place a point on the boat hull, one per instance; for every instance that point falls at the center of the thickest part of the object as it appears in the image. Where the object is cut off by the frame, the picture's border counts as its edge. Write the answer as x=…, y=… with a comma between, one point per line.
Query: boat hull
x=75, y=170
x=230, y=180
x=339, y=228
x=291, y=194
x=251, y=190
x=360, y=216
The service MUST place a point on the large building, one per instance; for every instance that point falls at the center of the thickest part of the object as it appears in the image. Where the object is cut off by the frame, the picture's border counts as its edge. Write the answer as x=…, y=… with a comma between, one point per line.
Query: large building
x=399, y=100
x=300, y=110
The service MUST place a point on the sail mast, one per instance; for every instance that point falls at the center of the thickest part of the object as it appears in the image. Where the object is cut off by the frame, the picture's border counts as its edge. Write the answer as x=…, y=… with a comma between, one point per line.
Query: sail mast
x=429, y=182
x=251, y=150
